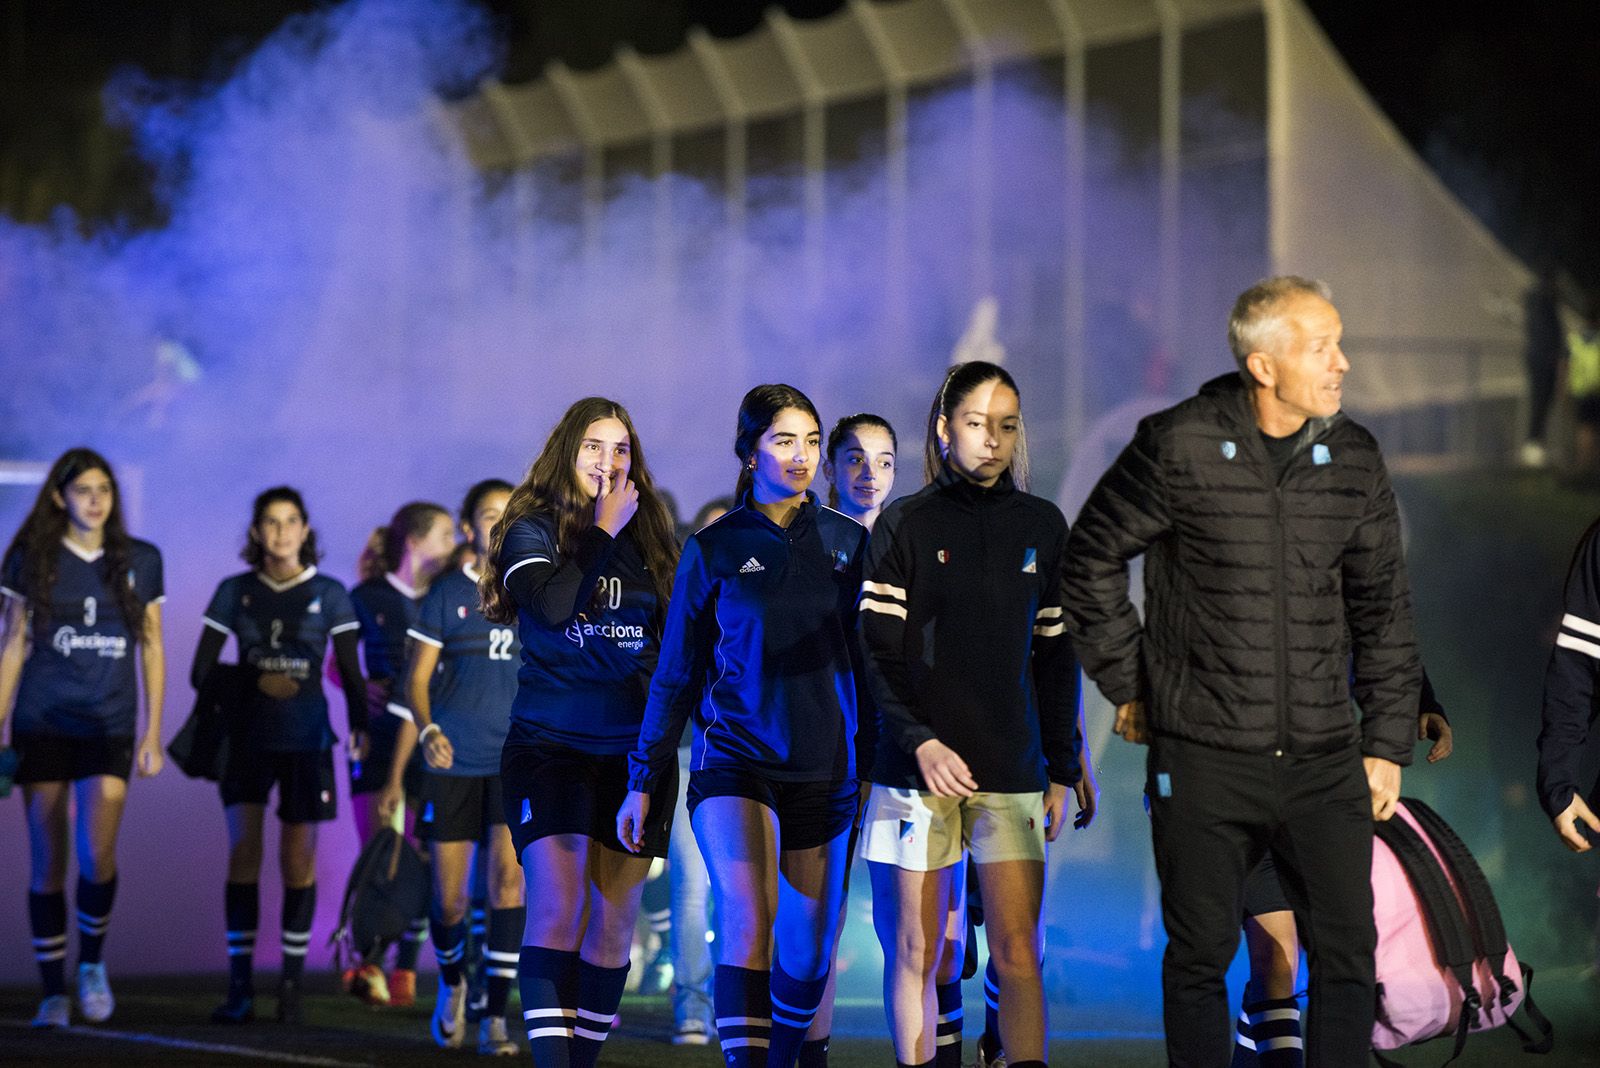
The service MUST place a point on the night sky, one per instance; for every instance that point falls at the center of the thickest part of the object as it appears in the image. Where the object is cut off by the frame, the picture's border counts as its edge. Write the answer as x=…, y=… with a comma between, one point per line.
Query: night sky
x=1503, y=100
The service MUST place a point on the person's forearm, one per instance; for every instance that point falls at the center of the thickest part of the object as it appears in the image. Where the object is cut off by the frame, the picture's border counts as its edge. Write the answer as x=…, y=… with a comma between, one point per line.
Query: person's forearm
x=405, y=744
x=153, y=664
x=10, y=664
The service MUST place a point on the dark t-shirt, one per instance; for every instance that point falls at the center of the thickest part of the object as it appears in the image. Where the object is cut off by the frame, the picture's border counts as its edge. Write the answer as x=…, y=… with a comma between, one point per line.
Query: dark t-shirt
x=79, y=680
x=285, y=627
x=1280, y=451
x=471, y=692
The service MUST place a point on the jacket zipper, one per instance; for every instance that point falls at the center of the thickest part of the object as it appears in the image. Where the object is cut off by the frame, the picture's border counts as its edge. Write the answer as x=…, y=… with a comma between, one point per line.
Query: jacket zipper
x=1283, y=619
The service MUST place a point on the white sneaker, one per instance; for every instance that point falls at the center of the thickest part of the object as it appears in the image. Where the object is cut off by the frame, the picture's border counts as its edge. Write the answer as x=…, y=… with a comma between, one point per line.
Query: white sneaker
x=492, y=1038
x=54, y=1011
x=450, y=1014
x=94, y=993
x=691, y=1032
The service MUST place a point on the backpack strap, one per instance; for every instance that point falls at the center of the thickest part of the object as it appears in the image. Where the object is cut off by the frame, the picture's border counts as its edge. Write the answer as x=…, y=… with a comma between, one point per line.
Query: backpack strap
x=1546, y=1039
x=1441, y=911
x=1483, y=913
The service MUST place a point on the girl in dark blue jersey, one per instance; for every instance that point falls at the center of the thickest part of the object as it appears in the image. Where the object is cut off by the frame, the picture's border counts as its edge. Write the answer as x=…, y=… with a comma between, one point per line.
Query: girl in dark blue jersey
x=461, y=683
x=582, y=562
x=960, y=595
x=759, y=648
x=81, y=598
x=283, y=614
x=400, y=560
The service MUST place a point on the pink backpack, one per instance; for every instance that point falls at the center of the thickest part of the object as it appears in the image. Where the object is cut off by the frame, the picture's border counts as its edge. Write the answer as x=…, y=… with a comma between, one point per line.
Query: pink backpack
x=1444, y=968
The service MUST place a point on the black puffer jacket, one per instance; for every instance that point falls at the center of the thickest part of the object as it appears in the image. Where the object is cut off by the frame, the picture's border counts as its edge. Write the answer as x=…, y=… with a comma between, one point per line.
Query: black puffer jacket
x=1266, y=601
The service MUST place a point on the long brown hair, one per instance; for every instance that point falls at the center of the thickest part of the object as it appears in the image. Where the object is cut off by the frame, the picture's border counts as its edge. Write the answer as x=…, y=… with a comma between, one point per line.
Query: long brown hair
x=960, y=380
x=38, y=541
x=551, y=487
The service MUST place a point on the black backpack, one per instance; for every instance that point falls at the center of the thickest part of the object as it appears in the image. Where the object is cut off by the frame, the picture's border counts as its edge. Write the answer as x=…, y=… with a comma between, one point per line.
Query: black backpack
x=388, y=889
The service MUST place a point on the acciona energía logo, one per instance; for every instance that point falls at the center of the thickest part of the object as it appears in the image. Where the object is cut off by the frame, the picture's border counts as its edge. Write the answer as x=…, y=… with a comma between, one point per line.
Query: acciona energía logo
x=626, y=635
x=68, y=641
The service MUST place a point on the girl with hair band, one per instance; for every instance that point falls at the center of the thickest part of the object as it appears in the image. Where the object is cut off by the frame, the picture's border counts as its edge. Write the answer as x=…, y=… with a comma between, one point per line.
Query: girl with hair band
x=582, y=562
x=399, y=562
x=759, y=647
x=961, y=592
x=80, y=597
x=859, y=463
x=283, y=614
x=461, y=682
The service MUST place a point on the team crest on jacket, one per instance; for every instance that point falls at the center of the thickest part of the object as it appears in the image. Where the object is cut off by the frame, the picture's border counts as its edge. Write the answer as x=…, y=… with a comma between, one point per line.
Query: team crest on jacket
x=1030, y=562
x=1229, y=450
x=1320, y=454
x=315, y=607
x=841, y=560
x=942, y=556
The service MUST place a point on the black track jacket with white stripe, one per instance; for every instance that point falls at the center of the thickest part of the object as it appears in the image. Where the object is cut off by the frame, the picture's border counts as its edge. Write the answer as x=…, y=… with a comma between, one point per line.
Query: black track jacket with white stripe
x=758, y=645
x=1569, y=682
x=960, y=618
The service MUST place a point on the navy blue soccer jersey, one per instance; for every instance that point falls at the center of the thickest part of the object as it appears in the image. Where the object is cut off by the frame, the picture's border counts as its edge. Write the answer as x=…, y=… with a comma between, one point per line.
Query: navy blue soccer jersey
x=79, y=679
x=759, y=647
x=387, y=608
x=471, y=692
x=590, y=636
x=285, y=627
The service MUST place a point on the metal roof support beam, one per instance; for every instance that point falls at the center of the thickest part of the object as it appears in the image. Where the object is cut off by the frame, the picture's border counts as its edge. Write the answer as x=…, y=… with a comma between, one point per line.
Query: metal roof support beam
x=897, y=179
x=736, y=166
x=593, y=159
x=1074, y=238
x=982, y=60
x=814, y=147
x=660, y=119
x=1170, y=237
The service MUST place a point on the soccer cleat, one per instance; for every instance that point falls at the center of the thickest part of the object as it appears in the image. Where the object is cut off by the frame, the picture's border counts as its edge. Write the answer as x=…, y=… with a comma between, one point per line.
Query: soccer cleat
x=240, y=1008
x=492, y=1038
x=691, y=1033
x=54, y=1011
x=368, y=984
x=289, y=1003
x=402, y=988
x=94, y=993
x=450, y=1015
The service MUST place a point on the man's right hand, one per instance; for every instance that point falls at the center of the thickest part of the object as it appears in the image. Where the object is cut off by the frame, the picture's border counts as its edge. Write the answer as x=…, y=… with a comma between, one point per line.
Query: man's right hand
x=1567, y=825
x=1130, y=724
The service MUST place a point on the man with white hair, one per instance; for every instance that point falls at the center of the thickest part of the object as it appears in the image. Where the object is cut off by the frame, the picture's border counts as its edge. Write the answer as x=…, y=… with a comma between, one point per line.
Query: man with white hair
x=1275, y=588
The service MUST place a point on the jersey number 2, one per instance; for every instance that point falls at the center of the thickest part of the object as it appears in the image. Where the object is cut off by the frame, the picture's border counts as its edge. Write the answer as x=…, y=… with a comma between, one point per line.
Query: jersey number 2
x=276, y=640
x=500, y=643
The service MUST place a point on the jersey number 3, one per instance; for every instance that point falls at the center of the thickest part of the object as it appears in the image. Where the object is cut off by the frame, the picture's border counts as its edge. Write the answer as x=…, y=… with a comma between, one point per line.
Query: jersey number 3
x=500, y=640
x=91, y=611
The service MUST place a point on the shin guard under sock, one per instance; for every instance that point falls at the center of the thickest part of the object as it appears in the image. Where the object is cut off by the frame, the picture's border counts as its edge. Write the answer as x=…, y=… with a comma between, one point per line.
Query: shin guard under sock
x=47, y=916
x=548, y=980
x=94, y=917
x=599, y=994
x=743, y=1004
x=299, y=906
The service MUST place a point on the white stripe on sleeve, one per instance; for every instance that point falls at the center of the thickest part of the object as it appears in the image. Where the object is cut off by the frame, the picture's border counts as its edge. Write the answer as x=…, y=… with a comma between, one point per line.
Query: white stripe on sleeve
x=884, y=589
x=354, y=624
x=522, y=563
x=1581, y=625
x=1567, y=641
x=883, y=607
x=1051, y=630
x=424, y=639
x=214, y=625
